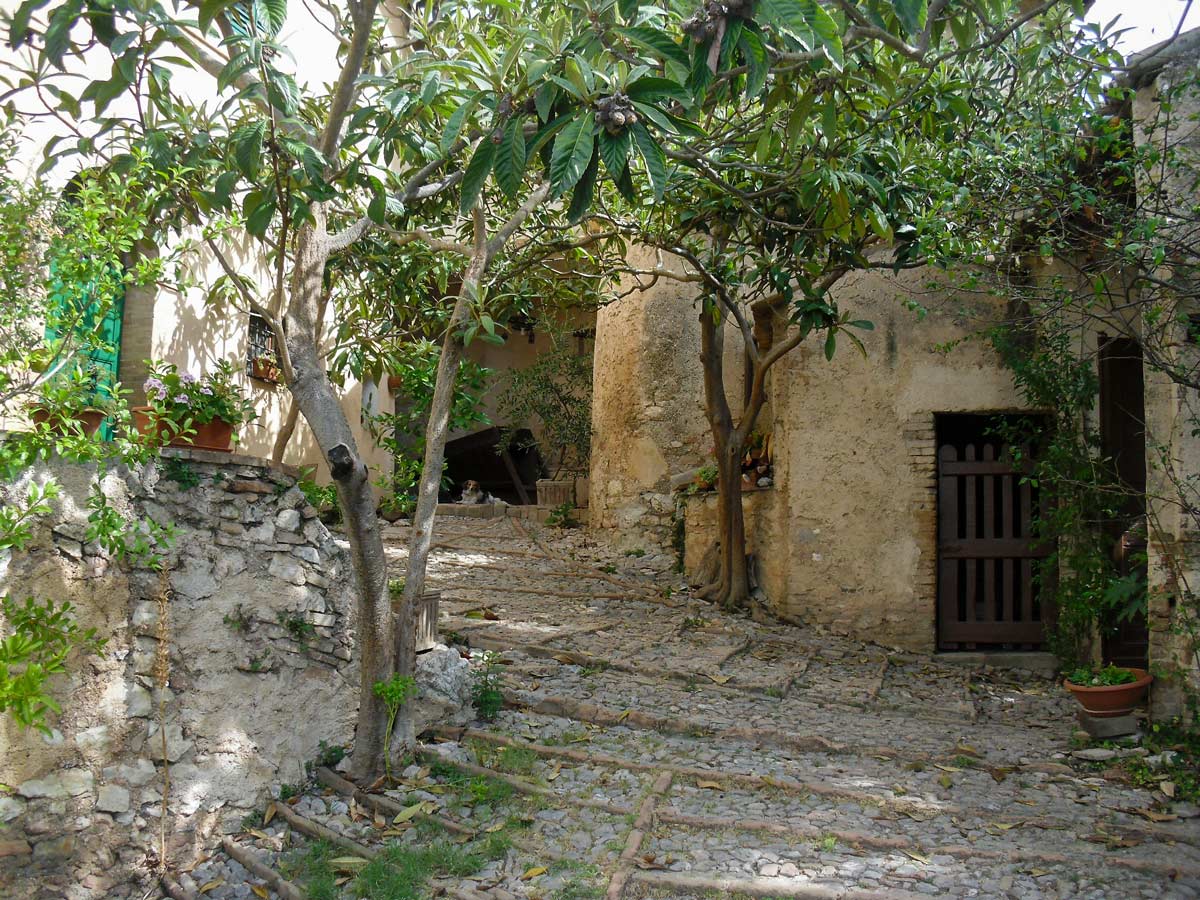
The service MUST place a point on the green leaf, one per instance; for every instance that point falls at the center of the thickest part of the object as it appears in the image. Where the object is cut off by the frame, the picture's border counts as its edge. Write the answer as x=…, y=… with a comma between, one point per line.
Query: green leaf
x=831, y=343
x=259, y=218
x=58, y=31
x=651, y=89
x=804, y=20
x=271, y=15
x=656, y=160
x=248, y=146
x=829, y=117
x=209, y=10
x=581, y=200
x=658, y=42
x=757, y=62
x=912, y=14
x=377, y=209
x=510, y=158
x=628, y=9
x=282, y=92
x=18, y=32
x=572, y=150
x=454, y=124
x=614, y=150
x=625, y=185
x=476, y=174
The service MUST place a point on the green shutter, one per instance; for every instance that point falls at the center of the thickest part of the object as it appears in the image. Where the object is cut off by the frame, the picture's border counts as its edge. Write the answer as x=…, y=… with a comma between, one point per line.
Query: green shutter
x=95, y=323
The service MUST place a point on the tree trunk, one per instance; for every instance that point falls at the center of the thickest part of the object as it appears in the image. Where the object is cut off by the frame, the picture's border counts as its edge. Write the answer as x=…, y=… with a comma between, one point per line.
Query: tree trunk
x=731, y=588
x=293, y=414
x=436, y=429
x=314, y=396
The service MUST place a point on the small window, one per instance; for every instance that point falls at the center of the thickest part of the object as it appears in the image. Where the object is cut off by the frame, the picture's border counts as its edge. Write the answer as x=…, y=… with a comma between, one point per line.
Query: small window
x=262, y=362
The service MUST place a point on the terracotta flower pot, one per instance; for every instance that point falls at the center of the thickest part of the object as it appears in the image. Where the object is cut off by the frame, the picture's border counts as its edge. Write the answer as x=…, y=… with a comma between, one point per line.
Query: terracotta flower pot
x=1109, y=701
x=91, y=419
x=216, y=435
x=264, y=370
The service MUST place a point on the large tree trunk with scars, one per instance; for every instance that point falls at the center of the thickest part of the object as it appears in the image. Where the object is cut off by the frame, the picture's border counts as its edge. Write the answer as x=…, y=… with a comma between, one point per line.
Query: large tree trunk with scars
x=315, y=397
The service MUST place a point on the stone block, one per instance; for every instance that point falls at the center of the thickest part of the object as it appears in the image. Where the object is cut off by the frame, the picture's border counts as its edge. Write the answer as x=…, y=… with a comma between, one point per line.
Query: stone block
x=249, y=487
x=1103, y=729
x=15, y=848
x=113, y=799
x=288, y=520
x=58, y=785
x=55, y=848
x=10, y=808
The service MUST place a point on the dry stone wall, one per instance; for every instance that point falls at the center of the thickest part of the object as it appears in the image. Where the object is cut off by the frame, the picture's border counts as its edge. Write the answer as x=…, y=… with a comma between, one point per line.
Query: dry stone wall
x=258, y=631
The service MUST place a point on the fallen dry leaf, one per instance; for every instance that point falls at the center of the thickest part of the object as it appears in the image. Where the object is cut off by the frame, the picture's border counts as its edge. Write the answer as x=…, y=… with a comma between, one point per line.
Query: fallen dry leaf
x=945, y=781
x=269, y=814
x=711, y=785
x=260, y=891
x=347, y=863
x=211, y=885
x=625, y=715
x=914, y=855
x=407, y=813
x=555, y=772
x=946, y=768
x=719, y=679
x=492, y=829
x=1154, y=816
x=1167, y=787
x=530, y=874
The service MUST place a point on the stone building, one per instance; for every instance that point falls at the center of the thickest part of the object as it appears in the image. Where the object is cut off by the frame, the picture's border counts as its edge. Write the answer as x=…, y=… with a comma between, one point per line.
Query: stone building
x=862, y=526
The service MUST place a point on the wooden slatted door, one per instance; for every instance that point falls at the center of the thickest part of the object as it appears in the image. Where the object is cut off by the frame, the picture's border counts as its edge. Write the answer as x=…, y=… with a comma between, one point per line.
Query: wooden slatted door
x=986, y=558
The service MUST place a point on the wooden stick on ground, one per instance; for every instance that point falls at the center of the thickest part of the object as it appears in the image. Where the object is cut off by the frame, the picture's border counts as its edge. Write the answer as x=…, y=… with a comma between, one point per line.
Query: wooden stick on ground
x=317, y=830
x=637, y=834
x=764, y=887
x=384, y=804
x=260, y=869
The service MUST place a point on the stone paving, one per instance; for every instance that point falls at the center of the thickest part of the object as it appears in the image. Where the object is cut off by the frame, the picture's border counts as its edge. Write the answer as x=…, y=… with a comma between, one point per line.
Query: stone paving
x=653, y=747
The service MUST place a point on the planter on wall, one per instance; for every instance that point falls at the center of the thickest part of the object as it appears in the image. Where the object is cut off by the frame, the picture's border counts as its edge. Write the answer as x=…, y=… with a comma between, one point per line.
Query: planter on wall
x=264, y=370
x=90, y=419
x=555, y=492
x=1109, y=701
x=216, y=435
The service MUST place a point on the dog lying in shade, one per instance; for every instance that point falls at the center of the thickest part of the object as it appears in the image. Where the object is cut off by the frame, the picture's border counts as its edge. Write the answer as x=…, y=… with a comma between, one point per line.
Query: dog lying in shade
x=474, y=494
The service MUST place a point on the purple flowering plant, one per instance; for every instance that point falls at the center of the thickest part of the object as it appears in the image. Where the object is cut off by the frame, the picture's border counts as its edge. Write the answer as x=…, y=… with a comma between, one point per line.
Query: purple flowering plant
x=185, y=400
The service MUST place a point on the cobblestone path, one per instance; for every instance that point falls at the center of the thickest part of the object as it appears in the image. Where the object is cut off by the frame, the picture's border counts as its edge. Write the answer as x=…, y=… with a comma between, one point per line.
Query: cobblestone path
x=652, y=747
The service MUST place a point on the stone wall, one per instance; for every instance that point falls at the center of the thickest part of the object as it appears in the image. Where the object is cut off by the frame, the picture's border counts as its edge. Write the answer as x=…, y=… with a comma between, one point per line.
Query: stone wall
x=258, y=618
x=1173, y=447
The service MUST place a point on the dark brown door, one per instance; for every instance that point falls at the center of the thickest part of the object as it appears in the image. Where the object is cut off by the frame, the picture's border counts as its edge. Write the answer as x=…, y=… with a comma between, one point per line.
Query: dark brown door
x=1123, y=441
x=987, y=559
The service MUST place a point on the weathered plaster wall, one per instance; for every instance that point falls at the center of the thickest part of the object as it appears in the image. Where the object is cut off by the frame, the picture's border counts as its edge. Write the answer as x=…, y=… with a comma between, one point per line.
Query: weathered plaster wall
x=847, y=535
x=855, y=456
x=647, y=407
x=258, y=621
x=186, y=329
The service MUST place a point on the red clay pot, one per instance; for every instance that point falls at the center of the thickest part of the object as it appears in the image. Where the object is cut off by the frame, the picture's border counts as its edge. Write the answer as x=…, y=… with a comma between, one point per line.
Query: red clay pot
x=216, y=435
x=1109, y=701
x=91, y=419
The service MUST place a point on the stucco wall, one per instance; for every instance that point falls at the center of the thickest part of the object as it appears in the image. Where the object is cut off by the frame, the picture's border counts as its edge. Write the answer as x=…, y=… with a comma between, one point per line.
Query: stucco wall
x=647, y=408
x=188, y=329
x=847, y=535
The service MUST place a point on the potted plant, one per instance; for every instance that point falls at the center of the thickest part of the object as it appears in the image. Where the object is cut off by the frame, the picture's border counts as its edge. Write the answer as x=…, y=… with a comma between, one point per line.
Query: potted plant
x=74, y=402
x=264, y=368
x=555, y=393
x=186, y=411
x=1109, y=691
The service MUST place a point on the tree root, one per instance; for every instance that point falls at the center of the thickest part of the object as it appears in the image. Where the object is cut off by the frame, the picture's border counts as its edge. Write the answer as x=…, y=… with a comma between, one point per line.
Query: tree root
x=317, y=830
x=633, y=843
x=763, y=887
x=250, y=860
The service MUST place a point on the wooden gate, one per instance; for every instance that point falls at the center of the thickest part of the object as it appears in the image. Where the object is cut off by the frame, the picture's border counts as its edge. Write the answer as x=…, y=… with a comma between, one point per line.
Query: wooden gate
x=986, y=559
